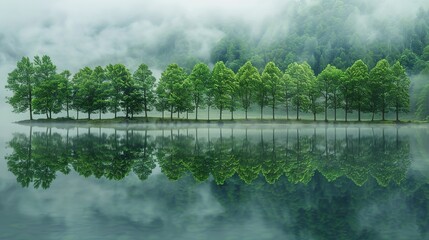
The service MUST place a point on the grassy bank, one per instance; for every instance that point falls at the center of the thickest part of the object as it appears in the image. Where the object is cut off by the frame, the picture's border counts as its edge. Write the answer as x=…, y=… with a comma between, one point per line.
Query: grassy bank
x=157, y=120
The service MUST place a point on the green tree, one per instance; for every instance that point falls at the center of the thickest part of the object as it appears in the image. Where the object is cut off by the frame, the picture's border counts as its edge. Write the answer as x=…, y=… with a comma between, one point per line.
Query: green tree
x=381, y=83
x=248, y=78
x=170, y=86
x=48, y=90
x=101, y=90
x=223, y=78
x=68, y=90
x=21, y=81
x=299, y=76
x=78, y=96
x=86, y=95
x=399, y=93
x=423, y=103
x=122, y=88
x=357, y=76
x=328, y=83
x=272, y=77
x=199, y=76
x=145, y=82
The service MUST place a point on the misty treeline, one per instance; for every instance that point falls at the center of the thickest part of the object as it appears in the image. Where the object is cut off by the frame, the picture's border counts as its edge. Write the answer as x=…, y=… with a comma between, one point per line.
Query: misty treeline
x=38, y=87
x=248, y=153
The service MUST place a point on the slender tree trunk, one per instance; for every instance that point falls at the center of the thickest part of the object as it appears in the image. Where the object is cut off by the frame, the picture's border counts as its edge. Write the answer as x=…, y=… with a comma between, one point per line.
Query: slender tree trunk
x=145, y=112
x=99, y=114
x=297, y=111
x=245, y=112
x=220, y=113
x=30, y=105
x=46, y=113
x=67, y=109
x=162, y=114
x=274, y=107
x=326, y=109
x=397, y=112
x=171, y=112
x=287, y=110
x=232, y=115
x=346, y=111
x=314, y=116
x=359, y=112
x=187, y=115
x=178, y=114
x=373, y=114
x=115, y=113
x=196, y=111
x=335, y=107
x=89, y=115
x=262, y=112
x=208, y=112
x=77, y=114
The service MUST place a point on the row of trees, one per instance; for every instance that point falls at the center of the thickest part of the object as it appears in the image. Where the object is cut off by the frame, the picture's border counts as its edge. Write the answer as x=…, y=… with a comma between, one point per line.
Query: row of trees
x=38, y=88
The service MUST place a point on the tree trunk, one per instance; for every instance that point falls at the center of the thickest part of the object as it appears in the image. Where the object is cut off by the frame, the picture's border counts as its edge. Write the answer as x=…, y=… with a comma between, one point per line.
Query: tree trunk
x=196, y=111
x=335, y=107
x=314, y=116
x=232, y=115
x=346, y=111
x=145, y=112
x=208, y=113
x=297, y=111
x=171, y=112
x=31, y=106
x=326, y=109
x=397, y=112
x=262, y=112
x=77, y=114
x=220, y=113
x=162, y=114
x=274, y=107
x=359, y=113
x=245, y=111
x=99, y=114
x=89, y=115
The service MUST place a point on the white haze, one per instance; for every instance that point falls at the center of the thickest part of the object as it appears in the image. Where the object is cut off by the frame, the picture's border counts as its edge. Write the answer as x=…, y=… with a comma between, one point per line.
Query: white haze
x=98, y=32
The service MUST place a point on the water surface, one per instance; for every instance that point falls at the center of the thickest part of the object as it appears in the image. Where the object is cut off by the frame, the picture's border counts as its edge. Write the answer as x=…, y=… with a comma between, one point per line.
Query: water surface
x=210, y=182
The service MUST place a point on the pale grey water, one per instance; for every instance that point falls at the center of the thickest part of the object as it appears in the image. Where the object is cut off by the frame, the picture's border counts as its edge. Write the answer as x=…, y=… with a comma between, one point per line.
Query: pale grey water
x=233, y=182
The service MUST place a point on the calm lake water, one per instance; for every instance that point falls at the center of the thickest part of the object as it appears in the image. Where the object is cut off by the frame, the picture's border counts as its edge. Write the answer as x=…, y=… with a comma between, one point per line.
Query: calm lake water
x=215, y=182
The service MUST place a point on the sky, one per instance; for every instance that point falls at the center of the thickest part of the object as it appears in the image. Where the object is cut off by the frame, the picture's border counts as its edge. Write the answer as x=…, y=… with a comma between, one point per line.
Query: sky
x=76, y=34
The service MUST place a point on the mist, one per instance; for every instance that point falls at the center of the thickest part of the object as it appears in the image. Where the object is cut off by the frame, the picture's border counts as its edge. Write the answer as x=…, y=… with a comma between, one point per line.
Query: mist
x=157, y=33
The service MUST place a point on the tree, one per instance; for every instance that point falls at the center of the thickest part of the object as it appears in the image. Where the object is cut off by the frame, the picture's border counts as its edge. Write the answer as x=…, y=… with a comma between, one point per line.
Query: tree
x=78, y=95
x=399, y=93
x=357, y=76
x=299, y=76
x=381, y=82
x=222, y=87
x=248, y=78
x=21, y=81
x=68, y=90
x=121, y=89
x=199, y=76
x=98, y=77
x=423, y=103
x=328, y=84
x=314, y=95
x=146, y=85
x=86, y=94
x=47, y=92
x=169, y=87
x=272, y=77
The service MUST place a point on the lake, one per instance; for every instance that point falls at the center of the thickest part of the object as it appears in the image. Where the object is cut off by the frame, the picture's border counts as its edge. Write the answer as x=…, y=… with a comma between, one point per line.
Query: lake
x=321, y=181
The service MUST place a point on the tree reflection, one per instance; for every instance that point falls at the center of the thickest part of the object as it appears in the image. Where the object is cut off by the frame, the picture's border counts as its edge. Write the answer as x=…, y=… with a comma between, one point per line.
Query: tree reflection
x=297, y=154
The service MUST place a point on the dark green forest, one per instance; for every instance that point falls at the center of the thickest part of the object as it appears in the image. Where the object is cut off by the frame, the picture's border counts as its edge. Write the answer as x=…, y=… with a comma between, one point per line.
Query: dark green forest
x=325, y=63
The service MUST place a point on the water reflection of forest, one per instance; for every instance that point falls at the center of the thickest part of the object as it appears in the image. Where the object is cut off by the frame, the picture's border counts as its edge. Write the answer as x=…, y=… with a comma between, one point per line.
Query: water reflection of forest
x=356, y=153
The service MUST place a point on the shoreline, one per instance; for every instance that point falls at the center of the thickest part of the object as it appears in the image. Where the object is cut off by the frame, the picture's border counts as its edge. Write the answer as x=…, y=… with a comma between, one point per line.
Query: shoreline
x=175, y=121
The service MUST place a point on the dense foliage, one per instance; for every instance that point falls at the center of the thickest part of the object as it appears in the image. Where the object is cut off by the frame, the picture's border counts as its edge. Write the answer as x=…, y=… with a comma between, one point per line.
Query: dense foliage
x=38, y=88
